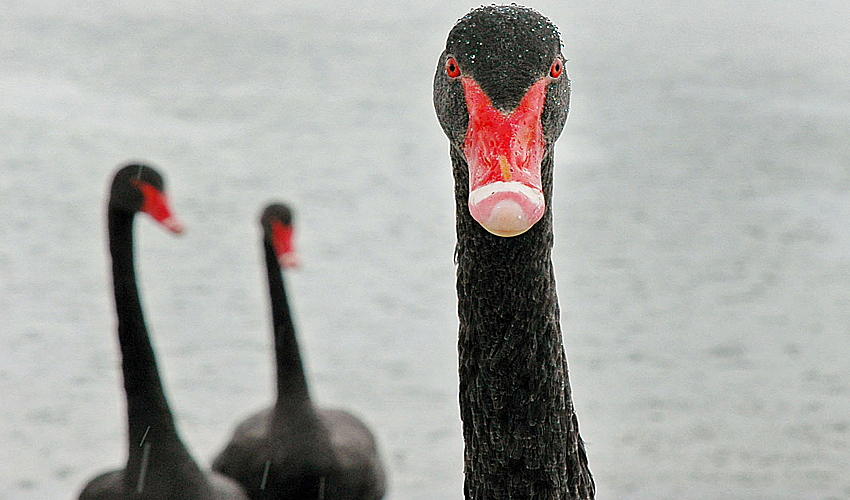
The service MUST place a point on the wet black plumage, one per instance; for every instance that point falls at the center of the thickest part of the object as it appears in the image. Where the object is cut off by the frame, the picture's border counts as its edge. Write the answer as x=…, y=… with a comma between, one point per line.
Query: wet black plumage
x=520, y=430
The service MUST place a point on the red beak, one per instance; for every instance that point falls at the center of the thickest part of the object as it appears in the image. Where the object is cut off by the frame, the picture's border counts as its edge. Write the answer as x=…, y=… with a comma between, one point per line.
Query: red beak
x=504, y=153
x=156, y=205
x=282, y=244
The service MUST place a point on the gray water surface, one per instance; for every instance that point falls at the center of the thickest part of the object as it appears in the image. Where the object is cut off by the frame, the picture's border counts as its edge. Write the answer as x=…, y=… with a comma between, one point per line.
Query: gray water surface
x=702, y=242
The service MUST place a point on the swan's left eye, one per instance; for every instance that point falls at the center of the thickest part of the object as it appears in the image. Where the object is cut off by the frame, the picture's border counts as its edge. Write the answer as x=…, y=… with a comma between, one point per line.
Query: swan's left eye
x=452, y=69
x=556, y=69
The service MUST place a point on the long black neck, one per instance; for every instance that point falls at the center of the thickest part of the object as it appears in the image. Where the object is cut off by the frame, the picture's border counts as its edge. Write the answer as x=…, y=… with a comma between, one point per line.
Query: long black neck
x=149, y=418
x=520, y=431
x=291, y=383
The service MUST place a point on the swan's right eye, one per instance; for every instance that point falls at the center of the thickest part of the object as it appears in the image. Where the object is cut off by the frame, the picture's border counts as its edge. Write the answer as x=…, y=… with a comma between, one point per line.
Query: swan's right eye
x=452, y=69
x=556, y=69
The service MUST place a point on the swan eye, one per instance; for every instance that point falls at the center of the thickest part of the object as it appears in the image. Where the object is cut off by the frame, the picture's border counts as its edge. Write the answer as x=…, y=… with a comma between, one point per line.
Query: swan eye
x=556, y=69
x=452, y=68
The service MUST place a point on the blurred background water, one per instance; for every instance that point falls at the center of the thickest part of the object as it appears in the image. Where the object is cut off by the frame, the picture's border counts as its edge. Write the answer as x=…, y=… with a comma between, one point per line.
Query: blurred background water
x=702, y=244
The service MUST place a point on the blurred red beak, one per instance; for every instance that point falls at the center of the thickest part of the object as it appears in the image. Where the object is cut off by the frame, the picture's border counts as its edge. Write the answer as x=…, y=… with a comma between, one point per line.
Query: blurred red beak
x=156, y=205
x=282, y=244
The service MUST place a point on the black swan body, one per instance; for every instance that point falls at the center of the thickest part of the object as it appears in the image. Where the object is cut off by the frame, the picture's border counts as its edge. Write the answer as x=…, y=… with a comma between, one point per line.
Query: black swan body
x=159, y=466
x=293, y=450
x=501, y=94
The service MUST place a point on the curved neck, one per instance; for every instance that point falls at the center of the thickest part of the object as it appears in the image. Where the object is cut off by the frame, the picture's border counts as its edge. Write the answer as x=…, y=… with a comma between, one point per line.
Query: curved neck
x=291, y=382
x=521, y=434
x=148, y=415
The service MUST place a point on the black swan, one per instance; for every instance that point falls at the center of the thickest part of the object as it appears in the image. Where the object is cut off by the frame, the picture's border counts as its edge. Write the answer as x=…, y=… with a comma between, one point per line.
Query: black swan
x=159, y=465
x=292, y=450
x=501, y=94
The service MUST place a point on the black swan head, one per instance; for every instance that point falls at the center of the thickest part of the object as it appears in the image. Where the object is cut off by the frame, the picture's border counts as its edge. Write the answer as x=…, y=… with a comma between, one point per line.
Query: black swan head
x=140, y=188
x=502, y=94
x=276, y=221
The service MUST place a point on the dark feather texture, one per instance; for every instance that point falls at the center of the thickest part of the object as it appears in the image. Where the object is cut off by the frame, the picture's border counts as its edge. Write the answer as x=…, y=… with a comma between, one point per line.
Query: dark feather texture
x=520, y=430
